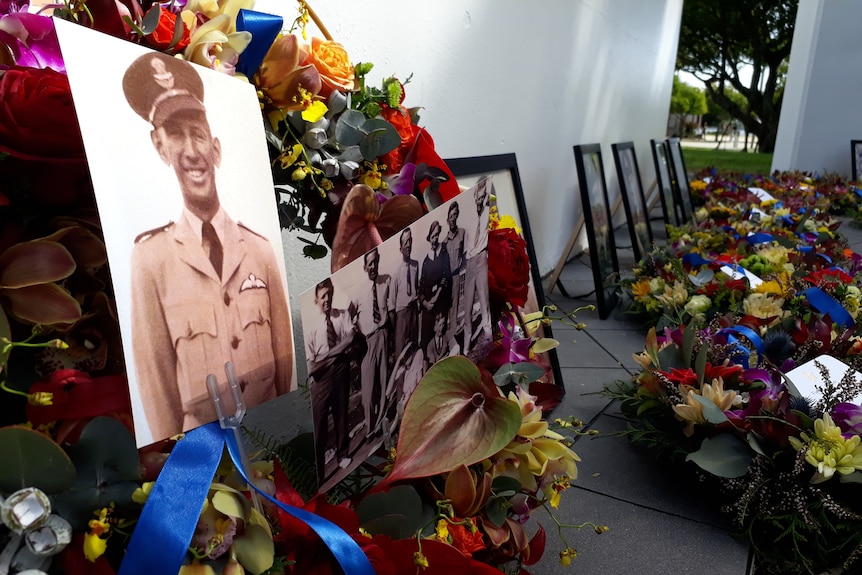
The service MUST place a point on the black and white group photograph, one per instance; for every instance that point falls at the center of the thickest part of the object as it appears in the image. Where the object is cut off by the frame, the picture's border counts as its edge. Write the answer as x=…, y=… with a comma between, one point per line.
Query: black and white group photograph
x=374, y=327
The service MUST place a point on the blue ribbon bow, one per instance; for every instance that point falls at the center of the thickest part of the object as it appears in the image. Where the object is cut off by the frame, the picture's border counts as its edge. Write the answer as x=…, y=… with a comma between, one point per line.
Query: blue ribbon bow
x=168, y=520
x=264, y=30
x=739, y=349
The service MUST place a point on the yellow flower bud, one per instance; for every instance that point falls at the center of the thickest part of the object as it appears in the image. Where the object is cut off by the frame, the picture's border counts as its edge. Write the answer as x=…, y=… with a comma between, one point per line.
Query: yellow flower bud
x=420, y=560
x=42, y=398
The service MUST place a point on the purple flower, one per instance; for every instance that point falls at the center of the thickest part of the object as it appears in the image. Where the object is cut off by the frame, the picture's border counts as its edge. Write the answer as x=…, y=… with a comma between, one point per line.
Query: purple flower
x=30, y=38
x=848, y=417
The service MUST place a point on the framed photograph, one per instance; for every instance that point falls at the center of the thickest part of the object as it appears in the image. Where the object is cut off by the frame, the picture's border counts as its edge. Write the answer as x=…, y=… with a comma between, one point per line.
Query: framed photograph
x=664, y=183
x=680, y=178
x=374, y=327
x=855, y=159
x=510, y=200
x=600, y=229
x=193, y=238
x=632, y=194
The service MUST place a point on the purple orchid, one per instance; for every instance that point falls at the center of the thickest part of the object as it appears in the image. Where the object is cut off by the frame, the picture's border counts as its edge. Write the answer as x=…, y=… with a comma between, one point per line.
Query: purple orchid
x=30, y=38
x=513, y=347
x=848, y=416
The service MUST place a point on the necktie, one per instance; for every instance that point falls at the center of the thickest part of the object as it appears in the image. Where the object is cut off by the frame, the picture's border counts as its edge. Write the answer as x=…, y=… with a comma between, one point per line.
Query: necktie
x=331, y=338
x=212, y=246
x=375, y=307
x=409, y=288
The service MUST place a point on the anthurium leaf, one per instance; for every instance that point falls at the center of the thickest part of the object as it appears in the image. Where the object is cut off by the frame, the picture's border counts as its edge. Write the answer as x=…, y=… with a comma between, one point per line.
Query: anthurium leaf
x=254, y=549
x=33, y=263
x=452, y=418
x=521, y=373
x=30, y=459
x=711, y=411
x=724, y=455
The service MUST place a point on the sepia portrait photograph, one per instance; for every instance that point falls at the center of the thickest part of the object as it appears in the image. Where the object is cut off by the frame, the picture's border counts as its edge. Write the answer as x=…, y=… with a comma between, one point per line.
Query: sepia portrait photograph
x=193, y=239
x=374, y=327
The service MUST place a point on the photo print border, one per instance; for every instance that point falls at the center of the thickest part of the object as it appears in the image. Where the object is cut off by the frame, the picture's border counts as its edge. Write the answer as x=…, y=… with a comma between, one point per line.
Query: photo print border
x=510, y=200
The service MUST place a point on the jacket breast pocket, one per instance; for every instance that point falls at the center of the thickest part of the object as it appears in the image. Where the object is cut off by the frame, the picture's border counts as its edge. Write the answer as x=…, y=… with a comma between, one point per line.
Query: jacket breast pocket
x=194, y=333
x=256, y=325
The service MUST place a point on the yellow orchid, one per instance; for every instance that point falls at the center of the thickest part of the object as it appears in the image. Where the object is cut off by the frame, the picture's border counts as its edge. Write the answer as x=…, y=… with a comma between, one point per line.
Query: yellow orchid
x=213, y=8
x=535, y=448
x=215, y=46
x=692, y=410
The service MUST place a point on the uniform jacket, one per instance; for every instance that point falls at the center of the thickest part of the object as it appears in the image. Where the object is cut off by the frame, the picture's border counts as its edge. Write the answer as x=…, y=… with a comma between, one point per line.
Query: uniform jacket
x=186, y=323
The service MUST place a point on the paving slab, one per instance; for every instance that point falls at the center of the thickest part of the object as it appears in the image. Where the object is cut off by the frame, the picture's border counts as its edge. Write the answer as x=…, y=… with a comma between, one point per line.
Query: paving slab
x=641, y=541
x=582, y=386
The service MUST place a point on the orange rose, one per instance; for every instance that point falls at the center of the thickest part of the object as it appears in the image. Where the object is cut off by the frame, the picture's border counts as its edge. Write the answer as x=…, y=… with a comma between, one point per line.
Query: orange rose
x=333, y=64
x=163, y=36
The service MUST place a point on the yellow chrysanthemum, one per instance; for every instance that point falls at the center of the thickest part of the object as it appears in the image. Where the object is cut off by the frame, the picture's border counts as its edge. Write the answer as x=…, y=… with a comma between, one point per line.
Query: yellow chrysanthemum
x=828, y=450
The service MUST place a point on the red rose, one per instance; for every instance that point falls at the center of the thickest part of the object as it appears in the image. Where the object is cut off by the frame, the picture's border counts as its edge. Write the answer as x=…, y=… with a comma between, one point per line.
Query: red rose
x=163, y=36
x=508, y=267
x=37, y=116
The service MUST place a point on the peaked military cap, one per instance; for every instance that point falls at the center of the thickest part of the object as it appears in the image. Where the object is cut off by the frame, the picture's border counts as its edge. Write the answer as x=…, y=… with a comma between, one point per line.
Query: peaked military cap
x=158, y=86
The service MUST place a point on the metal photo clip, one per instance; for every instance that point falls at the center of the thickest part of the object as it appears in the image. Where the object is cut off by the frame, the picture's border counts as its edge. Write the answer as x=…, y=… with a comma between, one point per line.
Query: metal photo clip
x=234, y=421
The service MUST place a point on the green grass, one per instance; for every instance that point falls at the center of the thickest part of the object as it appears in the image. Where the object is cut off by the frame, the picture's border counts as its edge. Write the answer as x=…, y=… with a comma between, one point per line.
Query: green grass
x=697, y=159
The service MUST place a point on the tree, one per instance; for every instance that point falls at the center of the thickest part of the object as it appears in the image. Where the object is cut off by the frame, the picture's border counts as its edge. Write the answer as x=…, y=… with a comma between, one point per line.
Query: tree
x=686, y=104
x=718, y=38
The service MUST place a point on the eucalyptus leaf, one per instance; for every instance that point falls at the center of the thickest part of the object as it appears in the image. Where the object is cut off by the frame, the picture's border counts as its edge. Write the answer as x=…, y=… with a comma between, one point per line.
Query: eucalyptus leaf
x=754, y=443
x=496, y=509
x=397, y=513
x=30, y=459
x=381, y=138
x=348, y=129
x=670, y=358
x=711, y=411
x=724, y=455
x=703, y=277
x=505, y=483
x=520, y=373
x=151, y=20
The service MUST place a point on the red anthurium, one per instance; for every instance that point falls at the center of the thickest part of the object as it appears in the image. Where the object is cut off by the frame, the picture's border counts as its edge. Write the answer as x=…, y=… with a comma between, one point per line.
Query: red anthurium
x=366, y=223
x=76, y=396
x=453, y=417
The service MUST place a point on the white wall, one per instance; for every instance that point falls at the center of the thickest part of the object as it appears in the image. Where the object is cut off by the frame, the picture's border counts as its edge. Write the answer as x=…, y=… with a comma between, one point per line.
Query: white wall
x=820, y=112
x=534, y=78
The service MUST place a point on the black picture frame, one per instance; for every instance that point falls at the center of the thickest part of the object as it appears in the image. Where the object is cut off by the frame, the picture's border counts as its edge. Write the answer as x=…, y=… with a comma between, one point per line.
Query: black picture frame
x=600, y=229
x=510, y=200
x=664, y=183
x=632, y=195
x=855, y=159
x=682, y=191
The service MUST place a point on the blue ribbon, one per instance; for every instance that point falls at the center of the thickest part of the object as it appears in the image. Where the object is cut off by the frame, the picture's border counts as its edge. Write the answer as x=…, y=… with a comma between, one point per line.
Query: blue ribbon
x=264, y=30
x=167, y=523
x=741, y=350
x=827, y=305
x=695, y=260
x=759, y=238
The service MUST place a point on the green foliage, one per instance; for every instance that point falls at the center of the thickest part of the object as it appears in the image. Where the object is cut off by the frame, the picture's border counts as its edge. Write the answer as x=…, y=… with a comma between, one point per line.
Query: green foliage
x=698, y=159
x=718, y=39
x=687, y=99
x=296, y=458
